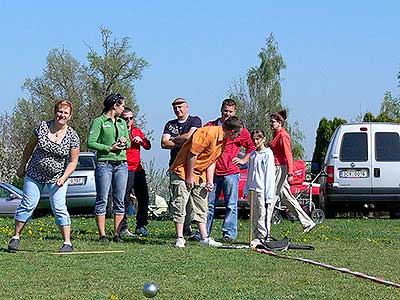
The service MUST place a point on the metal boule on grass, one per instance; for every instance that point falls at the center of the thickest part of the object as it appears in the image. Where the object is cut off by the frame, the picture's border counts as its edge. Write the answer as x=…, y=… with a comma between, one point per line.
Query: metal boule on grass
x=150, y=290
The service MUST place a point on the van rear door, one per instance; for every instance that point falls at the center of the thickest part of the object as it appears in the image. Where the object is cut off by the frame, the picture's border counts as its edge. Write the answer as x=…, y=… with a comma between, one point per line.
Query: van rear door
x=353, y=173
x=386, y=165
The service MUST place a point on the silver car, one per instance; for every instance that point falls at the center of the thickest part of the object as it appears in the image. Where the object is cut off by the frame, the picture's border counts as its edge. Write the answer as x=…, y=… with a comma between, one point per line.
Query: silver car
x=10, y=198
x=81, y=192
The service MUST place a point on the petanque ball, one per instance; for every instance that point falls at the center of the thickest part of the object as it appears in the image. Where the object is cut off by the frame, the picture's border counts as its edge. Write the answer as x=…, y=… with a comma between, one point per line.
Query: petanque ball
x=150, y=290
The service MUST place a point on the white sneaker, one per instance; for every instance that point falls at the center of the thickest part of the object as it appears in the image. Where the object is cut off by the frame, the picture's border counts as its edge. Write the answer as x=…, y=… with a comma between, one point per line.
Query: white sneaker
x=126, y=233
x=180, y=242
x=254, y=243
x=210, y=242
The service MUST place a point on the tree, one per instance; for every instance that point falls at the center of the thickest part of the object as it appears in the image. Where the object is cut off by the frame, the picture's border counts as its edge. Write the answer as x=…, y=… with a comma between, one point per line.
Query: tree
x=390, y=108
x=260, y=94
x=86, y=85
x=325, y=130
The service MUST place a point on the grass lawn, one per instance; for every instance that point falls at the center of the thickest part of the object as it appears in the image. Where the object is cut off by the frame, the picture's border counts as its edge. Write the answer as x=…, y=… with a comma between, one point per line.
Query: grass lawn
x=370, y=246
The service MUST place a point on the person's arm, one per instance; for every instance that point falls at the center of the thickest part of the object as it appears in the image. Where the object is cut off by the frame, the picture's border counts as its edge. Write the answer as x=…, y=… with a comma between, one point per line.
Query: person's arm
x=287, y=149
x=26, y=155
x=181, y=139
x=246, y=142
x=94, y=134
x=166, y=142
x=74, y=155
x=269, y=178
x=146, y=144
x=189, y=177
x=210, y=177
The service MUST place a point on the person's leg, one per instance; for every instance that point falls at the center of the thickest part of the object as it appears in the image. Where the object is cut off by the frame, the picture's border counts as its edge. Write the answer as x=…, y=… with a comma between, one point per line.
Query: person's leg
x=290, y=201
x=58, y=204
x=119, y=180
x=260, y=230
x=271, y=206
x=127, y=199
x=212, y=202
x=103, y=176
x=230, y=188
x=142, y=196
x=25, y=209
x=180, y=196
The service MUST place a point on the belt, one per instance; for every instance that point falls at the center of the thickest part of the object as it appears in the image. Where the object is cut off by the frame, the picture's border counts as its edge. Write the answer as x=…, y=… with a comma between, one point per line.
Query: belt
x=114, y=162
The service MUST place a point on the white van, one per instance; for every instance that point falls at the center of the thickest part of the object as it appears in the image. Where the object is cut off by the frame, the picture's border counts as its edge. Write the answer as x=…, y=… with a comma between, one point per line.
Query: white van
x=362, y=164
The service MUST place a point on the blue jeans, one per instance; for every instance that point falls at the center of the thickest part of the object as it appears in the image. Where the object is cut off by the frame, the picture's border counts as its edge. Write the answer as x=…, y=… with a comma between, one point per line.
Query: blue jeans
x=229, y=185
x=107, y=175
x=31, y=199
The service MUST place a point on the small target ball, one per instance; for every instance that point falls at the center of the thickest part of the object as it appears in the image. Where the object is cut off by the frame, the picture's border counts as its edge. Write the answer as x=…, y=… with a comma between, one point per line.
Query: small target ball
x=150, y=290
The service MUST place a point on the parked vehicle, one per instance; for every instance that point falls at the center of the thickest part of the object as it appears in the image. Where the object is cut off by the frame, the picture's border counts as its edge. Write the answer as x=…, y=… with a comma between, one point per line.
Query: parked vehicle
x=10, y=198
x=362, y=164
x=81, y=192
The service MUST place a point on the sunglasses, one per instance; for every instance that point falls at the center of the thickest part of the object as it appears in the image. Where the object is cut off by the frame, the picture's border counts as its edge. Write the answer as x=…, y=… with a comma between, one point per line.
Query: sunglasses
x=128, y=118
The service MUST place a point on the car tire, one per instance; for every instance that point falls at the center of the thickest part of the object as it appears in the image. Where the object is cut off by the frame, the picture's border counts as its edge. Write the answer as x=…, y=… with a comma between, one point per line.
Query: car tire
x=277, y=218
x=318, y=216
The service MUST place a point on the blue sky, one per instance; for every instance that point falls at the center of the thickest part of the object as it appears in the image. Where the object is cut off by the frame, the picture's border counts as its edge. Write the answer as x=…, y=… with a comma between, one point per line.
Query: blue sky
x=341, y=56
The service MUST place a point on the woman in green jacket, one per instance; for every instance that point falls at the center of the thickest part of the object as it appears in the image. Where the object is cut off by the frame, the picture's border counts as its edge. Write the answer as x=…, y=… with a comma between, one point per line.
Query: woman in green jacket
x=109, y=137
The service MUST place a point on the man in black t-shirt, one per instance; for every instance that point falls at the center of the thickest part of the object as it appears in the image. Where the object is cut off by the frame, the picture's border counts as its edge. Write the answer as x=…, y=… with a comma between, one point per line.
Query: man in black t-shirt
x=176, y=132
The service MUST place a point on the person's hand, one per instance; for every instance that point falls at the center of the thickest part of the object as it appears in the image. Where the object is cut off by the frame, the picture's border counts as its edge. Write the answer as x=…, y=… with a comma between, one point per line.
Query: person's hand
x=21, y=171
x=117, y=147
x=60, y=182
x=209, y=186
x=290, y=178
x=189, y=181
x=238, y=161
x=137, y=140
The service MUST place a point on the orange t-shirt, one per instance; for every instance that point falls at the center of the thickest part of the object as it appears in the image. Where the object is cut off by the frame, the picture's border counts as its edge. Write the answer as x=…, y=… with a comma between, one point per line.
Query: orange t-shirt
x=208, y=144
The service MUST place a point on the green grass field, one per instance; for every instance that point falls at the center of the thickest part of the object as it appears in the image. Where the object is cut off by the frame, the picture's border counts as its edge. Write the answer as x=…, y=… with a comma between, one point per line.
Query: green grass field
x=371, y=246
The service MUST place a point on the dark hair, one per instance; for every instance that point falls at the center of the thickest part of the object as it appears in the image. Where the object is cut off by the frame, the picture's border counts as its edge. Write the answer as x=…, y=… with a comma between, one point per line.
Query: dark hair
x=233, y=123
x=280, y=116
x=127, y=110
x=258, y=132
x=114, y=98
x=228, y=102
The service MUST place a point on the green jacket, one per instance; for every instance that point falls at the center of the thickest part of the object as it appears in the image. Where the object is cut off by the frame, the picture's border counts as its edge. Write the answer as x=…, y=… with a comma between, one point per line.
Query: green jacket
x=103, y=134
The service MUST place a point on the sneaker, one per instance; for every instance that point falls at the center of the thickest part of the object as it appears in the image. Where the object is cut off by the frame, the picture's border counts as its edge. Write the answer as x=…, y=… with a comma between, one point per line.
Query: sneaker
x=180, y=242
x=66, y=248
x=227, y=239
x=309, y=228
x=103, y=239
x=254, y=243
x=13, y=244
x=210, y=242
x=117, y=239
x=195, y=236
x=141, y=231
x=126, y=233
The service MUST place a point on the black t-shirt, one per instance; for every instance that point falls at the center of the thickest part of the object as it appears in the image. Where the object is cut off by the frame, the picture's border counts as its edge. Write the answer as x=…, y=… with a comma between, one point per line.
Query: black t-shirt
x=175, y=128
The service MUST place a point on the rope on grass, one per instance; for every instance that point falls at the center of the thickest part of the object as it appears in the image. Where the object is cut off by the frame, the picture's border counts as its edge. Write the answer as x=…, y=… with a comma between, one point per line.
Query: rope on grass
x=340, y=269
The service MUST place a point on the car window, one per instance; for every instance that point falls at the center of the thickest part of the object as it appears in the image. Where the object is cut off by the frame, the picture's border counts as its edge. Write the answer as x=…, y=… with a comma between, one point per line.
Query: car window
x=387, y=146
x=4, y=193
x=354, y=147
x=86, y=163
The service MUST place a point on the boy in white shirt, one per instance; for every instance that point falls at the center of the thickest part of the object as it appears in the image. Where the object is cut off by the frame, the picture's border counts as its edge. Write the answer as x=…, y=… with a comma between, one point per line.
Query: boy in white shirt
x=261, y=186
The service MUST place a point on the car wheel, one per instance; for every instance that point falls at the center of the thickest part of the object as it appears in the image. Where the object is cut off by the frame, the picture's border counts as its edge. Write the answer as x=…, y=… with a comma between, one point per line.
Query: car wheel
x=318, y=216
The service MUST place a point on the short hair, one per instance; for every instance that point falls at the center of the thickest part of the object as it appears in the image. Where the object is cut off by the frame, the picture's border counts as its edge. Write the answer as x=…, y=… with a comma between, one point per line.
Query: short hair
x=258, y=132
x=178, y=101
x=232, y=123
x=114, y=98
x=280, y=116
x=63, y=102
x=127, y=110
x=228, y=102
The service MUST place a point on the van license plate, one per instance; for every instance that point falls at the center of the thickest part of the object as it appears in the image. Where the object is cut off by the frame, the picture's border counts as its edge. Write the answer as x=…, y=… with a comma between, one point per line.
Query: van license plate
x=76, y=180
x=357, y=173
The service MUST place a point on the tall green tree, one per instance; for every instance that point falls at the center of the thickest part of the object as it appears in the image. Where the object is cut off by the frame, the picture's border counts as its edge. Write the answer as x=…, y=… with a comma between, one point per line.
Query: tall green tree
x=113, y=68
x=325, y=130
x=260, y=94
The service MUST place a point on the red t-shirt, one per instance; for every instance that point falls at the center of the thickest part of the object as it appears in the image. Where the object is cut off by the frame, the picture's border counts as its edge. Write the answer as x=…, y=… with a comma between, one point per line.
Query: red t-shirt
x=133, y=153
x=282, y=150
x=224, y=165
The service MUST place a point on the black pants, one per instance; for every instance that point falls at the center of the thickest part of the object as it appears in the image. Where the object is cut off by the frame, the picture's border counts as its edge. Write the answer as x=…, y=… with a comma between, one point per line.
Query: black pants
x=137, y=182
